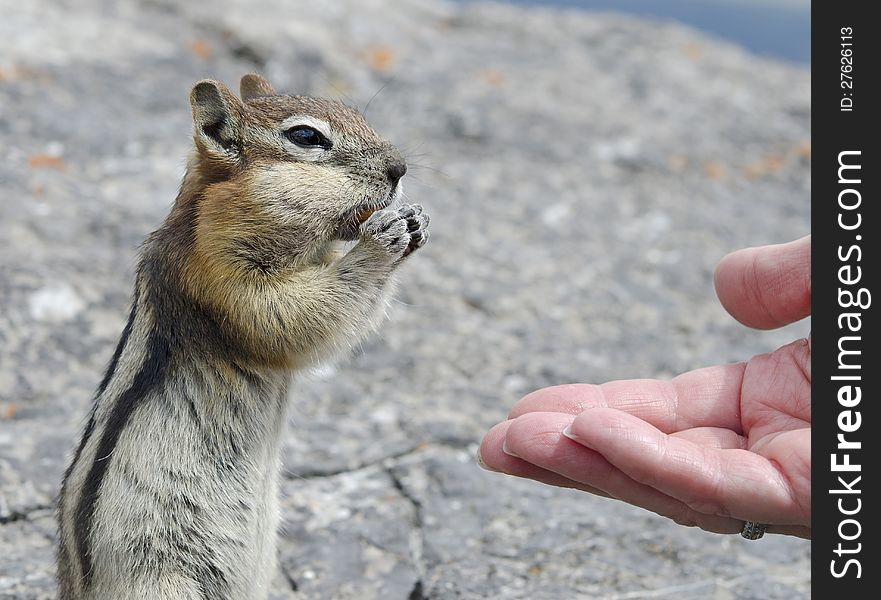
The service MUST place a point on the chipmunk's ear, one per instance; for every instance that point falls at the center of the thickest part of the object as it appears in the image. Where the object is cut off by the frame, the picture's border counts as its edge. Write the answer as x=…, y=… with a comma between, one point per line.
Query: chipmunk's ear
x=217, y=118
x=255, y=86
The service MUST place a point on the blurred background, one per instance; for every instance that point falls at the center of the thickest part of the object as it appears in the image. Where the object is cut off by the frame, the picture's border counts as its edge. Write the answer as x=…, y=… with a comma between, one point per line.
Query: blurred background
x=777, y=28
x=586, y=165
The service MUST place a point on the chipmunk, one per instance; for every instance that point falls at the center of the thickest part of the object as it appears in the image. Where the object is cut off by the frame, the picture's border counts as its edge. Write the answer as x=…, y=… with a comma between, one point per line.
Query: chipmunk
x=172, y=492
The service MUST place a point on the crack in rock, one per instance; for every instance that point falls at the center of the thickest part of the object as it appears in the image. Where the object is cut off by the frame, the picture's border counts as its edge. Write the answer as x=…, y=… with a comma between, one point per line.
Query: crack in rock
x=295, y=587
x=23, y=515
x=325, y=473
x=417, y=536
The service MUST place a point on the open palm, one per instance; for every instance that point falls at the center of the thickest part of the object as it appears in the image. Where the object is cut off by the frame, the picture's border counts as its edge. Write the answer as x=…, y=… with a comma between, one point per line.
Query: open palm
x=713, y=447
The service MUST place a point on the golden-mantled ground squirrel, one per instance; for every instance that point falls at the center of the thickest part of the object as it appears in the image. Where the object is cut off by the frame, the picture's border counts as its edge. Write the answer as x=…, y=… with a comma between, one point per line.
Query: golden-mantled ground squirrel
x=172, y=492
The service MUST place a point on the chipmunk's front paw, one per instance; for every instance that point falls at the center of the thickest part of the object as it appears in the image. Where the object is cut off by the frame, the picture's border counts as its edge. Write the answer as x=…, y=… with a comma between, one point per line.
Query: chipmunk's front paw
x=399, y=231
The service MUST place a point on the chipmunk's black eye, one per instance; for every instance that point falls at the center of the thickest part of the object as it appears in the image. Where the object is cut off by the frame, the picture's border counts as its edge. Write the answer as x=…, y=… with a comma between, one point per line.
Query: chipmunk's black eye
x=307, y=137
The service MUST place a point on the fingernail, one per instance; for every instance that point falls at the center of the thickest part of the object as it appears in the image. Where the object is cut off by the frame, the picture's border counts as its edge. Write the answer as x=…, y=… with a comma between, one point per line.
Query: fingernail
x=568, y=433
x=508, y=451
x=482, y=464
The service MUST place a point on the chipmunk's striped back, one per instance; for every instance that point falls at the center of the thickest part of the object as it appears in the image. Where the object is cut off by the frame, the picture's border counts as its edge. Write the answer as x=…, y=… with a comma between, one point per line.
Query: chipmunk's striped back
x=173, y=483
x=172, y=491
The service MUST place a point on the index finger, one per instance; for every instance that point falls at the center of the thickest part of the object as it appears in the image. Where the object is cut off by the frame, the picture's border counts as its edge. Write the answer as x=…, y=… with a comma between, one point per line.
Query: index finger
x=708, y=397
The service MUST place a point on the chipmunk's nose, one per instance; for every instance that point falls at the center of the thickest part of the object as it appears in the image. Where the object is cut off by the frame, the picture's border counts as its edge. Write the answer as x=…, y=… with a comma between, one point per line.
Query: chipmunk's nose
x=395, y=169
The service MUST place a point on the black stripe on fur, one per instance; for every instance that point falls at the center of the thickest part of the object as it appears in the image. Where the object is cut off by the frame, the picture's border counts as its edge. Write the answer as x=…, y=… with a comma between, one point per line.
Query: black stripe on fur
x=108, y=375
x=149, y=377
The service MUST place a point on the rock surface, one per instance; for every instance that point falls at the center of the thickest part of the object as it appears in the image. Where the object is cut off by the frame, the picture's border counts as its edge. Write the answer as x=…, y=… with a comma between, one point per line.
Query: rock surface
x=584, y=173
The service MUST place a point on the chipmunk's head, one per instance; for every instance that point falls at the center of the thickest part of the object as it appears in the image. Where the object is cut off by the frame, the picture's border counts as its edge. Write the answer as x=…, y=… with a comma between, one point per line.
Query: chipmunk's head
x=280, y=175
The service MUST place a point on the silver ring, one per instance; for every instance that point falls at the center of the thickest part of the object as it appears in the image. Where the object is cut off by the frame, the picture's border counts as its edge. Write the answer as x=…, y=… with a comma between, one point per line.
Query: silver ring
x=752, y=530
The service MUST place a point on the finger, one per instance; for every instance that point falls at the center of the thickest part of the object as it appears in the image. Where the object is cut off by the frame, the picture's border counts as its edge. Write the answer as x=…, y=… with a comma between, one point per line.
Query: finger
x=491, y=456
x=713, y=437
x=727, y=482
x=801, y=531
x=537, y=438
x=768, y=286
x=777, y=387
x=707, y=397
x=793, y=449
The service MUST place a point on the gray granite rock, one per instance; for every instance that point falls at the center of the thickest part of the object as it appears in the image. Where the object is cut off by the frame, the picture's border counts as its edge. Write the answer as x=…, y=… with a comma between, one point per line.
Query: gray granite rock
x=584, y=172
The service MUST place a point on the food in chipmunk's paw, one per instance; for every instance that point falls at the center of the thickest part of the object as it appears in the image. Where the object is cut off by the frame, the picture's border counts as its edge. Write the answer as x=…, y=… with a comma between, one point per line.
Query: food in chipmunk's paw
x=362, y=215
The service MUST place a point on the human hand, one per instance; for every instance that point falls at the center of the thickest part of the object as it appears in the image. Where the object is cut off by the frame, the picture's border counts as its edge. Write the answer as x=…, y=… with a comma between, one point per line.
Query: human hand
x=711, y=448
